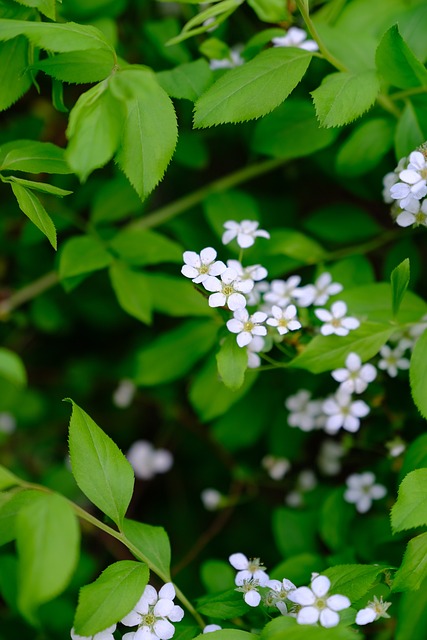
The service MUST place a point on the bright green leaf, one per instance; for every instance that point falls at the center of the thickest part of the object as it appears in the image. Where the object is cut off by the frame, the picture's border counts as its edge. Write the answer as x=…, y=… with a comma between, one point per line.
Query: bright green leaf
x=286, y=628
x=270, y=10
x=175, y=297
x=397, y=64
x=78, y=67
x=33, y=157
x=410, y=509
x=38, y=186
x=352, y=580
x=372, y=301
x=10, y=509
x=46, y=7
x=412, y=615
x=12, y=368
x=415, y=456
x=139, y=247
x=413, y=570
x=82, y=255
x=409, y=134
x=7, y=479
x=232, y=363
x=133, y=291
x=153, y=546
x=15, y=78
x=399, y=283
x=223, y=606
x=418, y=374
x=34, y=210
x=188, y=80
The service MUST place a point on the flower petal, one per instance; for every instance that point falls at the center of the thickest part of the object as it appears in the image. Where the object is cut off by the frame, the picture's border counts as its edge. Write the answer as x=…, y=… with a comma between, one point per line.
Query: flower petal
x=303, y=596
x=238, y=561
x=164, y=629
x=329, y=618
x=365, y=616
x=320, y=586
x=207, y=255
x=308, y=615
x=338, y=602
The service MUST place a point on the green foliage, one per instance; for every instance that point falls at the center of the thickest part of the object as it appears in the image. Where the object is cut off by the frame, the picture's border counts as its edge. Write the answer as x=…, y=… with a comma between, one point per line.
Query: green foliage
x=410, y=510
x=132, y=290
x=81, y=256
x=418, y=374
x=285, y=629
x=353, y=581
x=150, y=543
x=15, y=77
x=413, y=570
x=7, y=479
x=12, y=368
x=365, y=147
x=232, y=363
x=72, y=67
x=34, y=210
x=223, y=606
x=140, y=247
x=32, y=157
x=188, y=80
x=399, y=283
x=396, y=62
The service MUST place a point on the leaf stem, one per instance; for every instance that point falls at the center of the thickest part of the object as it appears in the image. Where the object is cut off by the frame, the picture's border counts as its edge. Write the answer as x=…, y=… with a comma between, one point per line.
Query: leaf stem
x=27, y=293
x=316, y=36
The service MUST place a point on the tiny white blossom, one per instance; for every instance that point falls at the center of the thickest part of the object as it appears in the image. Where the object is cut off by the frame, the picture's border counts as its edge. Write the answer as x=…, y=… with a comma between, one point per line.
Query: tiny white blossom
x=306, y=481
x=154, y=614
x=211, y=499
x=417, y=216
x=278, y=594
x=317, y=605
x=254, y=297
x=246, y=326
x=389, y=180
x=356, y=377
x=276, y=467
x=255, y=272
x=295, y=37
x=234, y=59
x=228, y=291
x=392, y=360
x=361, y=490
x=413, y=182
x=294, y=499
x=211, y=627
x=335, y=320
x=245, y=231
x=373, y=611
x=343, y=412
x=319, y=292
x=7, y=422
x=148, y=461
x=200, y=267
x=395, y=447
x=124, y=394
x=303, y=411
x=329, y=458
x=254, y=347
x=251, y=595
x=248, y=569
x=284, y=320
x=106, y=634
x=283, y=292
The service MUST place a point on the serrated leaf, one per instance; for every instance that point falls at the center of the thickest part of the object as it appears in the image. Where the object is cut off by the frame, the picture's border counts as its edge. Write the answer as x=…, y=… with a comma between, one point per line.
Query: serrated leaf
x=132, y=290
x=232, y=363
x=397, y=64
x=410, y=509
x=46, y=7
x=12, y=368
x=353, y=580
x=93, y=131
x=82, y=255
x=187, y=80
x=15, y=79
x=109, y=485
x=254, y=89
x=140, y=247
x=418, y=374
x=34, y=210
x=399, y=283
x=152, y=544
x=38, y=186
x=32, y=157
x=111, y=597
x=342, y=97
x=48, y=537
x=413, y=570
x=78, y=67
x=149, y=131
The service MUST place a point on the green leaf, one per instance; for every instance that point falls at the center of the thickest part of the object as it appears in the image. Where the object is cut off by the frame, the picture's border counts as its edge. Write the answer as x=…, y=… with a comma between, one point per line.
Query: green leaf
x=139, y=247
x=342, y=97
x=412, y=615
x=295, y=531
x=291, y=131
x=93, y=131
x=111, y=597
x=32, y=157
x=365, y=147
x=176, y=297
x=78, y=67
x=410, y=509
x=232, y=363
x=82, y=255
x=46, y=7
x=418, y=374
x=372, y=301
x=149, y=131
x=198, y=24
x=115, y=200
x=15, y=78
x=48, y=537
x=356, y=54
x=298, y=568
x=12, y=368
x=413, y=570
x=231, y=634
x=342, y=223
x=187, y=80
x=34, y=210
x=353, y=580
x=58, y=37
x=409, y=134
x=270, y=10
x=38, y=186
x=335, y=518
x=217, y=575
x=109, y=485
x=285, y=628
x=294, y=244
x=7, y=479
x=10, y=509
x=415, y=456
x=254, y=89
x=153, y=546
x=217, y=207
x=133, y=291
x=174, y=353
x=399, y=283
x=397, y=64
x=325, y=353
x=223, y=606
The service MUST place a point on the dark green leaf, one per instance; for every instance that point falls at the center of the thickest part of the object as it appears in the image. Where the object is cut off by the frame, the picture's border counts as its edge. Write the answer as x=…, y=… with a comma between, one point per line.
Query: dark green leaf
x=15, y=79
x=141, y=246
x=232, y=363
x=409, y=134
x=46, y=7
x=224, y=605
x=82, y=255
x=365, y=147
x=133, y=291
x=187, y=80
x=175, y=297
x=34, y=210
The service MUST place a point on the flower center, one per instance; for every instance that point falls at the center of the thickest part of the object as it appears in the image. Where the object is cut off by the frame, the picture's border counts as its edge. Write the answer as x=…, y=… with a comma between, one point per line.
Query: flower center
x=248, y=326
x=227, y=289
x=204, y=268
x=320, y=604
x=336, y=322
x=420, y=218
x=148, y=619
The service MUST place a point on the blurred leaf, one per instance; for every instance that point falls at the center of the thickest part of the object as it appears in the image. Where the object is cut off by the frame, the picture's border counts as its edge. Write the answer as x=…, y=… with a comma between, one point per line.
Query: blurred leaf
x=15, y=78
x=399, y=283
x=12, y=506
x=397, y=64
x=12, y=368
x=415, y=456
x=142, y=246
x=270, y=10
x=223, y=606
x=33, y=157
x=352, y=271
x=217, y=575
x=409, y=134
x=79, y=67
x=418, y=374
x=342, y=97
x=153, y=543
x=413, y=570
x=365, y=147
x=372, y=301
x=232, y=363
x=352, y=580
x=109, y=485
x=412, y=615
x=285, y=628
x=115, y=200
x=132, y=290
x=217, y=208
x=82, y=255
x=176, y=297
x=254, y=89
x=7, y=479
x=357, y=54
x=111, y=597
x=298, y=568
x=410, y=509
x=188, y=80
x=34, y=210
x=342, y=223
x=335, y=519
x=46, y=7
x=294, y=244
x=294, y=531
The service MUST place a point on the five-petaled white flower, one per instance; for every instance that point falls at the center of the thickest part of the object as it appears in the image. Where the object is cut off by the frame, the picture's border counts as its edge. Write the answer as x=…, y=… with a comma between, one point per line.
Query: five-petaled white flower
x=251, y=595
x=317, y=605
x=200, y=267
x=106, y=634
x=284, y=320
x=417, y=216
x=154, y=614
x=147, y=461
x=335, y=320
x=303, y=411
x=343, y=412
x=245, y=231
x=282, y=292
x=228, y=290
x=356, y=377
x=392, y=360
x=413, y=182
x=319, y=292
x=295, y=37
x=246, y=326
x=248, y=569
x=373, y=610
x=361, y=490
x=278, y=594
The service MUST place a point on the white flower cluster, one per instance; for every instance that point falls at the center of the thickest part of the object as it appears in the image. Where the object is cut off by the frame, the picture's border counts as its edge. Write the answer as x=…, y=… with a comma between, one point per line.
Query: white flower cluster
x=406, y=188
x=309, y=605
x=153, y=614
x=147, y=461
x=362, y=489
x=295, y=37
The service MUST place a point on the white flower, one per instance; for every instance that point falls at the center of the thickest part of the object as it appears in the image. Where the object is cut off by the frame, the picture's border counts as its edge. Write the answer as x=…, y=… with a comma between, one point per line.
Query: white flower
x=392, y=360
x=417, y=216
x=407, y=338
x=254, y=347
x=245, y=231
x=7, y=422
x=254, y=297
x=107, y=634
x=319, y=292
x=413, y=182
x=395, y=447
x=306, y=480
x=361, y=490
x=335, y=320
x=234, y=59
x=148, y=461
x=389, y=180
x=356, y=377
x=251, y=595
x=228, y=290
x=247, y=326
x=154, y=614
x=211, y=627
x=284, y=320
x=124, y=394
x=200, y=267
x=276, y=467
x=248, y=569
x=211, y=499
x=254, y=272
x=282, y=292
x=317, y=605
x=343, y=412
x=303, y=411
x=329, y=458
x=295, y=37
x=279, y=592
x=374, y=610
